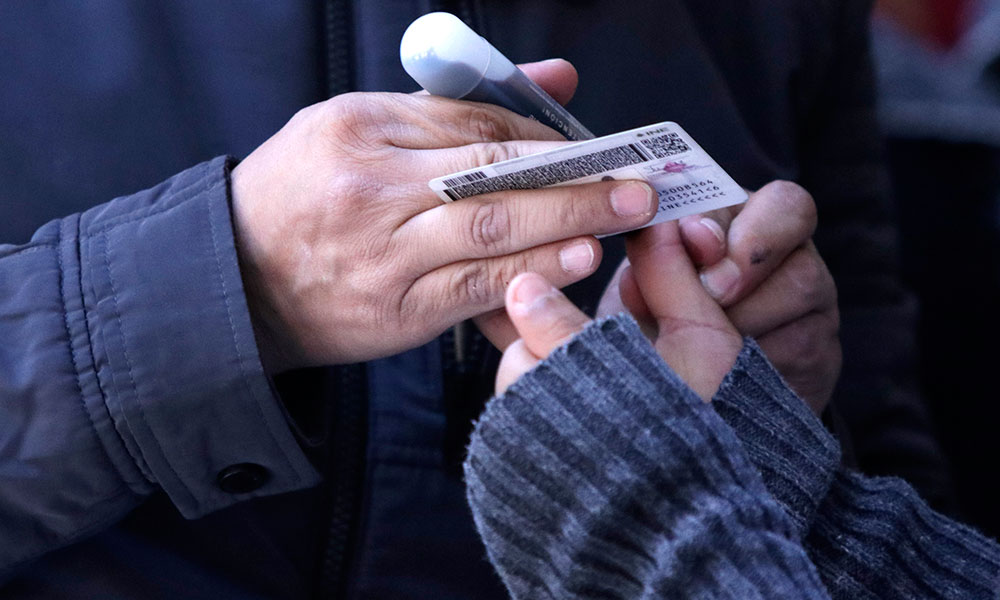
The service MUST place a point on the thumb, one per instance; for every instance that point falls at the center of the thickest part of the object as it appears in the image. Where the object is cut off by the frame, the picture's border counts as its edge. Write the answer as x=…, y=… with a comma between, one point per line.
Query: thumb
x=542, y=315
x=667, y=279
x=556, y=76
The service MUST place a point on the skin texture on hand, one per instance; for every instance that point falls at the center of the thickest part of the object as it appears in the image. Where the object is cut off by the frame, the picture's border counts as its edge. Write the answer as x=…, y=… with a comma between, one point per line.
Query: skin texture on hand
x=693, y=334
x=758, y=261
x=346, y=253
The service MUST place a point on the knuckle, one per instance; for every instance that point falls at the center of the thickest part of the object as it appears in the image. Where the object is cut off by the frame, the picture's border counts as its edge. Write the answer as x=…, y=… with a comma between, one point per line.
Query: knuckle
x=489, y=225
x=475, y=284
x=354, y=191
x=356, y=119
x=488, y=153
x=487, y=125
x=794, y=200
x=344, y=110
x=509, y=268
x=572, y=211
x=560, y=326
x=808, y=354
x=810, y=345
x=809, y=278
x=307, y=113
x=805, y=348
x=808, y=348
x=821, y=354
x=483, y=283
x=408, y=303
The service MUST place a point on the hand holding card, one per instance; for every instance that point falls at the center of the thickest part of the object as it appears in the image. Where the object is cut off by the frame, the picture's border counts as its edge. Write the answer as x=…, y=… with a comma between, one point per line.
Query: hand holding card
x=686, y=179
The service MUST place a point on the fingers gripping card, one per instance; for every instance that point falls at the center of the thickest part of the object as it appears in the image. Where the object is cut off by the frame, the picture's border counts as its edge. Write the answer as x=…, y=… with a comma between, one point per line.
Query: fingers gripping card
x=686, y=179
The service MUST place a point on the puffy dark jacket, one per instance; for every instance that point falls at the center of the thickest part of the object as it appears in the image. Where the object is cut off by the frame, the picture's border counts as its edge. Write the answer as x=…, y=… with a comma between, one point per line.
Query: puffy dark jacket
x=143, y=452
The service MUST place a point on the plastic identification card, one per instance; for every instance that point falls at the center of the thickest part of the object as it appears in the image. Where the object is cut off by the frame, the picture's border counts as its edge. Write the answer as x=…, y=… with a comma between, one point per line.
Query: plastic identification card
x=684, y=176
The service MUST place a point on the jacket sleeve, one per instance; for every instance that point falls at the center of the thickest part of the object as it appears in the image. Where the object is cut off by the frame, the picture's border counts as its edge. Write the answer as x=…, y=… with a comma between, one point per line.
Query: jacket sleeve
x=127, y=364
x=599, y=474
x=869, y=537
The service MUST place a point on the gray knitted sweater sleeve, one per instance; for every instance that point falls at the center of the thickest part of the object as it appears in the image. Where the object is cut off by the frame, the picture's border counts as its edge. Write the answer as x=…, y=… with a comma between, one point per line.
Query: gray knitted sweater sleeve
x=869, y=537
x=601, y=475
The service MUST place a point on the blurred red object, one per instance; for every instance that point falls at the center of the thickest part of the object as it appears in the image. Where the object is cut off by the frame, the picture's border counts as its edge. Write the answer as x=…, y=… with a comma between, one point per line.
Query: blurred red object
x=940, y=22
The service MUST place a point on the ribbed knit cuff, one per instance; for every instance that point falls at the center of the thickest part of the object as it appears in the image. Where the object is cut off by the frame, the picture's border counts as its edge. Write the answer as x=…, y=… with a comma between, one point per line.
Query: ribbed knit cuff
x=796, y=456
x=874, y=537
x=601, y=474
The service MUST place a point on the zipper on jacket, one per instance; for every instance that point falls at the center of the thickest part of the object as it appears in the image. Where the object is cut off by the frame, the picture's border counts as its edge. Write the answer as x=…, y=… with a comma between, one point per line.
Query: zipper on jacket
x=348, y=426
x=348, y=430
x=338, y=40
x=345, y=476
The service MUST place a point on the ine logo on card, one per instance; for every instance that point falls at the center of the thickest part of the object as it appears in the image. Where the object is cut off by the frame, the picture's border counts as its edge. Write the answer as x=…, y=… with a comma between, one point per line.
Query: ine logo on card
x=680, y=167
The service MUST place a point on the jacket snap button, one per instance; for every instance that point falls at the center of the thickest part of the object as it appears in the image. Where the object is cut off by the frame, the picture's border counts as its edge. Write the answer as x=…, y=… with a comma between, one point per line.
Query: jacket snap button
x=242, y=478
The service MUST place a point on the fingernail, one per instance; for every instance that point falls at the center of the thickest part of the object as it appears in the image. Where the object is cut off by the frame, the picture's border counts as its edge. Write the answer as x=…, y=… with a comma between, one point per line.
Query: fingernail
x=716, y=229
x=532, y=288
x=632, y=199
x=577, y=257
x=720, y=278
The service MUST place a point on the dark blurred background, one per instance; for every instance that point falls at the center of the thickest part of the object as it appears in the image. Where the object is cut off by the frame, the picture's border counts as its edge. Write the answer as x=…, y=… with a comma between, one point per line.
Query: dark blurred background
x=939, y=80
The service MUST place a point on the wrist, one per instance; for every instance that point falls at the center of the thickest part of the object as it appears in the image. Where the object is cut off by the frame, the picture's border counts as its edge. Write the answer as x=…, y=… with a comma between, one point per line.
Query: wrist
x=274, y=345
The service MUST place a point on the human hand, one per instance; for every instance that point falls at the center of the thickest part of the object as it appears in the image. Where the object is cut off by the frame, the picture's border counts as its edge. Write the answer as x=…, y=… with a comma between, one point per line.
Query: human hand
x=759, y=262
x=347, y=255
x=693, y=334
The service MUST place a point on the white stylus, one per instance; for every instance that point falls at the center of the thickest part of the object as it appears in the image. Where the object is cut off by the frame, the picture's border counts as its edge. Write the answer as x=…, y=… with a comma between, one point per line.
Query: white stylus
x=447, y=58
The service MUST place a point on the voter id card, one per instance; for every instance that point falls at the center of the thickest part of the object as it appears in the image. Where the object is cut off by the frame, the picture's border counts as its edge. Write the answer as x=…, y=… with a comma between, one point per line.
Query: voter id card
x=685, y=177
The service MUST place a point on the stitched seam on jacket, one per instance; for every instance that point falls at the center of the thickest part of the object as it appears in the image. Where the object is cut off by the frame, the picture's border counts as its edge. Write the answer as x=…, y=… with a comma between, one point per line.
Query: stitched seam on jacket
x=132, y=217
x=90, y=346
x=112, y=224
x=139, y=463
x=29, y=250
x=232, y=328
x=120, y=425
x=128, y=363
x=118, y=221
x=76, y=365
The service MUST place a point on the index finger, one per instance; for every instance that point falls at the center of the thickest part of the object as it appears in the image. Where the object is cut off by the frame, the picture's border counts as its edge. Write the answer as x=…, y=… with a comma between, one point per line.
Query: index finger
x=431, y=122
x=776, y=220
x=557, y=76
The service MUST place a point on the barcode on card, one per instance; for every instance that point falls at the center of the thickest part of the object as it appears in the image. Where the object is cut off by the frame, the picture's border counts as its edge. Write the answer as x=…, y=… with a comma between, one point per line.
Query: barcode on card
x=476, y=182
x=468, y=178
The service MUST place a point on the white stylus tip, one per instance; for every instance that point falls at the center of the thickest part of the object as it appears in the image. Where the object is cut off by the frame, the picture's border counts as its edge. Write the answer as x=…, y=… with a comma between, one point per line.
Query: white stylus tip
x=443, y=55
